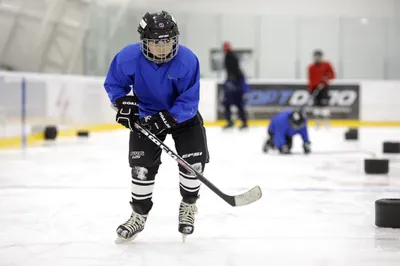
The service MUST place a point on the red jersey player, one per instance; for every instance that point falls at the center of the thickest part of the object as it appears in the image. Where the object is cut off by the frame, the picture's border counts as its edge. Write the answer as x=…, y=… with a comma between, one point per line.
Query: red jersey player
x=319, y=75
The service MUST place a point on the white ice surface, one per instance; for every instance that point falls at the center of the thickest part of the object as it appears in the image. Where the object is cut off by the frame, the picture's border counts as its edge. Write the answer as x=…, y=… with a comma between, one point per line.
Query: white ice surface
x=61, y=203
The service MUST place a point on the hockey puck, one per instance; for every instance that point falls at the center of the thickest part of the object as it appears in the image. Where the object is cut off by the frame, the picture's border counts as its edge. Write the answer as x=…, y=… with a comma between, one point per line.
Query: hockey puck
x=82, y=133
x=387, y=213
x=391, y=147
x=376, y=166
x=50, y=133
x=351, y=134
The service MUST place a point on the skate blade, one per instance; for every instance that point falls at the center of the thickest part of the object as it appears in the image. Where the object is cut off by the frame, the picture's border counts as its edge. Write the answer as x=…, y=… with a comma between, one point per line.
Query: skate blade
x=121, y=240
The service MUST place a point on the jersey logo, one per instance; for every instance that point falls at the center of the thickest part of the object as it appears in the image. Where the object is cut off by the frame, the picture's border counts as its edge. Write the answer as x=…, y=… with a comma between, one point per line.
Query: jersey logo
x=172, y=78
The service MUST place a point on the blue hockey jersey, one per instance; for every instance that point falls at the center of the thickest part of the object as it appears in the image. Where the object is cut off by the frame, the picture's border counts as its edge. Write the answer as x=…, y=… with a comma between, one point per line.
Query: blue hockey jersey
x=172, y=86
x=280, y=127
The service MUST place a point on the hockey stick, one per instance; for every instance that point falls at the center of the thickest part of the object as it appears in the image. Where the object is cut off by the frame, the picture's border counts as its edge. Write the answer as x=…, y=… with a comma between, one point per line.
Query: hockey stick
x=246, y=198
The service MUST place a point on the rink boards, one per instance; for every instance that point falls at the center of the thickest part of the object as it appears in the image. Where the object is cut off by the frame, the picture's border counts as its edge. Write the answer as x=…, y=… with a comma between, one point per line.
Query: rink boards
x=76, y=102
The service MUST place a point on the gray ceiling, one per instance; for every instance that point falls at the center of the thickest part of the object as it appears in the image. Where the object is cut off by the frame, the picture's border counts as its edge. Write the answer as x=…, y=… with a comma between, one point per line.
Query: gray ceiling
x=48, y=35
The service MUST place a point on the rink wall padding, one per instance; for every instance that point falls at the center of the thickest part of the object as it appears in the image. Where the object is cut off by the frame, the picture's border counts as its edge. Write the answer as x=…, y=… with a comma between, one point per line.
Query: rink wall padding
x=71, y=101
x=37, y=138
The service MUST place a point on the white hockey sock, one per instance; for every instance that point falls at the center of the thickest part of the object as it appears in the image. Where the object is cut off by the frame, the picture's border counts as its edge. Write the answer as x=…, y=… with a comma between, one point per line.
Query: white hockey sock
x=189, y=182
x=141, y=188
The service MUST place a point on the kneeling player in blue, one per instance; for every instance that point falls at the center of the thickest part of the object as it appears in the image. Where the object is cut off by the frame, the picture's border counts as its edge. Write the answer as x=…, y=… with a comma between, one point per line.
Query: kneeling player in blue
x=165, y=79
x=283, y=127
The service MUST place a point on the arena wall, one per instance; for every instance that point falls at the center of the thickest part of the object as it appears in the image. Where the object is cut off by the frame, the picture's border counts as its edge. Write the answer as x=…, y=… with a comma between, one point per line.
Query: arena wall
x=30, y=101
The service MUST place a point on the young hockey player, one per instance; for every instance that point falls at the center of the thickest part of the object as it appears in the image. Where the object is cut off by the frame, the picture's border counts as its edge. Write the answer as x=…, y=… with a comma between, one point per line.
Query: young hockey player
x=165, y=79
x=320, y=73
x=235, y=87
x=283, y=127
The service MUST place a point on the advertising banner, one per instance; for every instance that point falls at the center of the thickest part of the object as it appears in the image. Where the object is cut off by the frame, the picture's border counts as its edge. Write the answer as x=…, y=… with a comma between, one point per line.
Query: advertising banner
x=266, y=100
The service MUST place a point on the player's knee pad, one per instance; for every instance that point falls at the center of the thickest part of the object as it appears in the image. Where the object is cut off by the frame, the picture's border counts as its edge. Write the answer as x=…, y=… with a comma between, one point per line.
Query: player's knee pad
x=143, y=182
x=188, y=182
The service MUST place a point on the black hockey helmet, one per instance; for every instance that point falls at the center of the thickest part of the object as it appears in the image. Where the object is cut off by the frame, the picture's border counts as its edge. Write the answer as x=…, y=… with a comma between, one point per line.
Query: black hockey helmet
x=297, y=119
x=159, y=35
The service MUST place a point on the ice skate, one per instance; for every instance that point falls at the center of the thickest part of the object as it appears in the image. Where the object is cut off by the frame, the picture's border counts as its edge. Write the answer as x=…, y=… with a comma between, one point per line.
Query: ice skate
x=243, y=127
x=187, y=214
x=228, y=125
x=129, y=230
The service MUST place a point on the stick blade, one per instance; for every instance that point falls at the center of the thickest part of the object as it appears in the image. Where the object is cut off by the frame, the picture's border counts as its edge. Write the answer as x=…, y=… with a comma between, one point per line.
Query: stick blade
x=248, y=197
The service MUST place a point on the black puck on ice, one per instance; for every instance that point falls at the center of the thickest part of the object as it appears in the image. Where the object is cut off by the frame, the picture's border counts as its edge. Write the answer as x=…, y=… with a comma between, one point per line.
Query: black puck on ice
x=82, y=133
x=50, y=133
x=387, y=213
x=391, y=147
x=351, y=134
x=376, y=166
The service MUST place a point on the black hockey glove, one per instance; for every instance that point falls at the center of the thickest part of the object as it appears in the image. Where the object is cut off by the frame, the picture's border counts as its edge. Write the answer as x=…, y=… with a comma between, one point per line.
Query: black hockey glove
x=284, y=149
x=307, y=147
x=128, y=111
x=159, y=122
